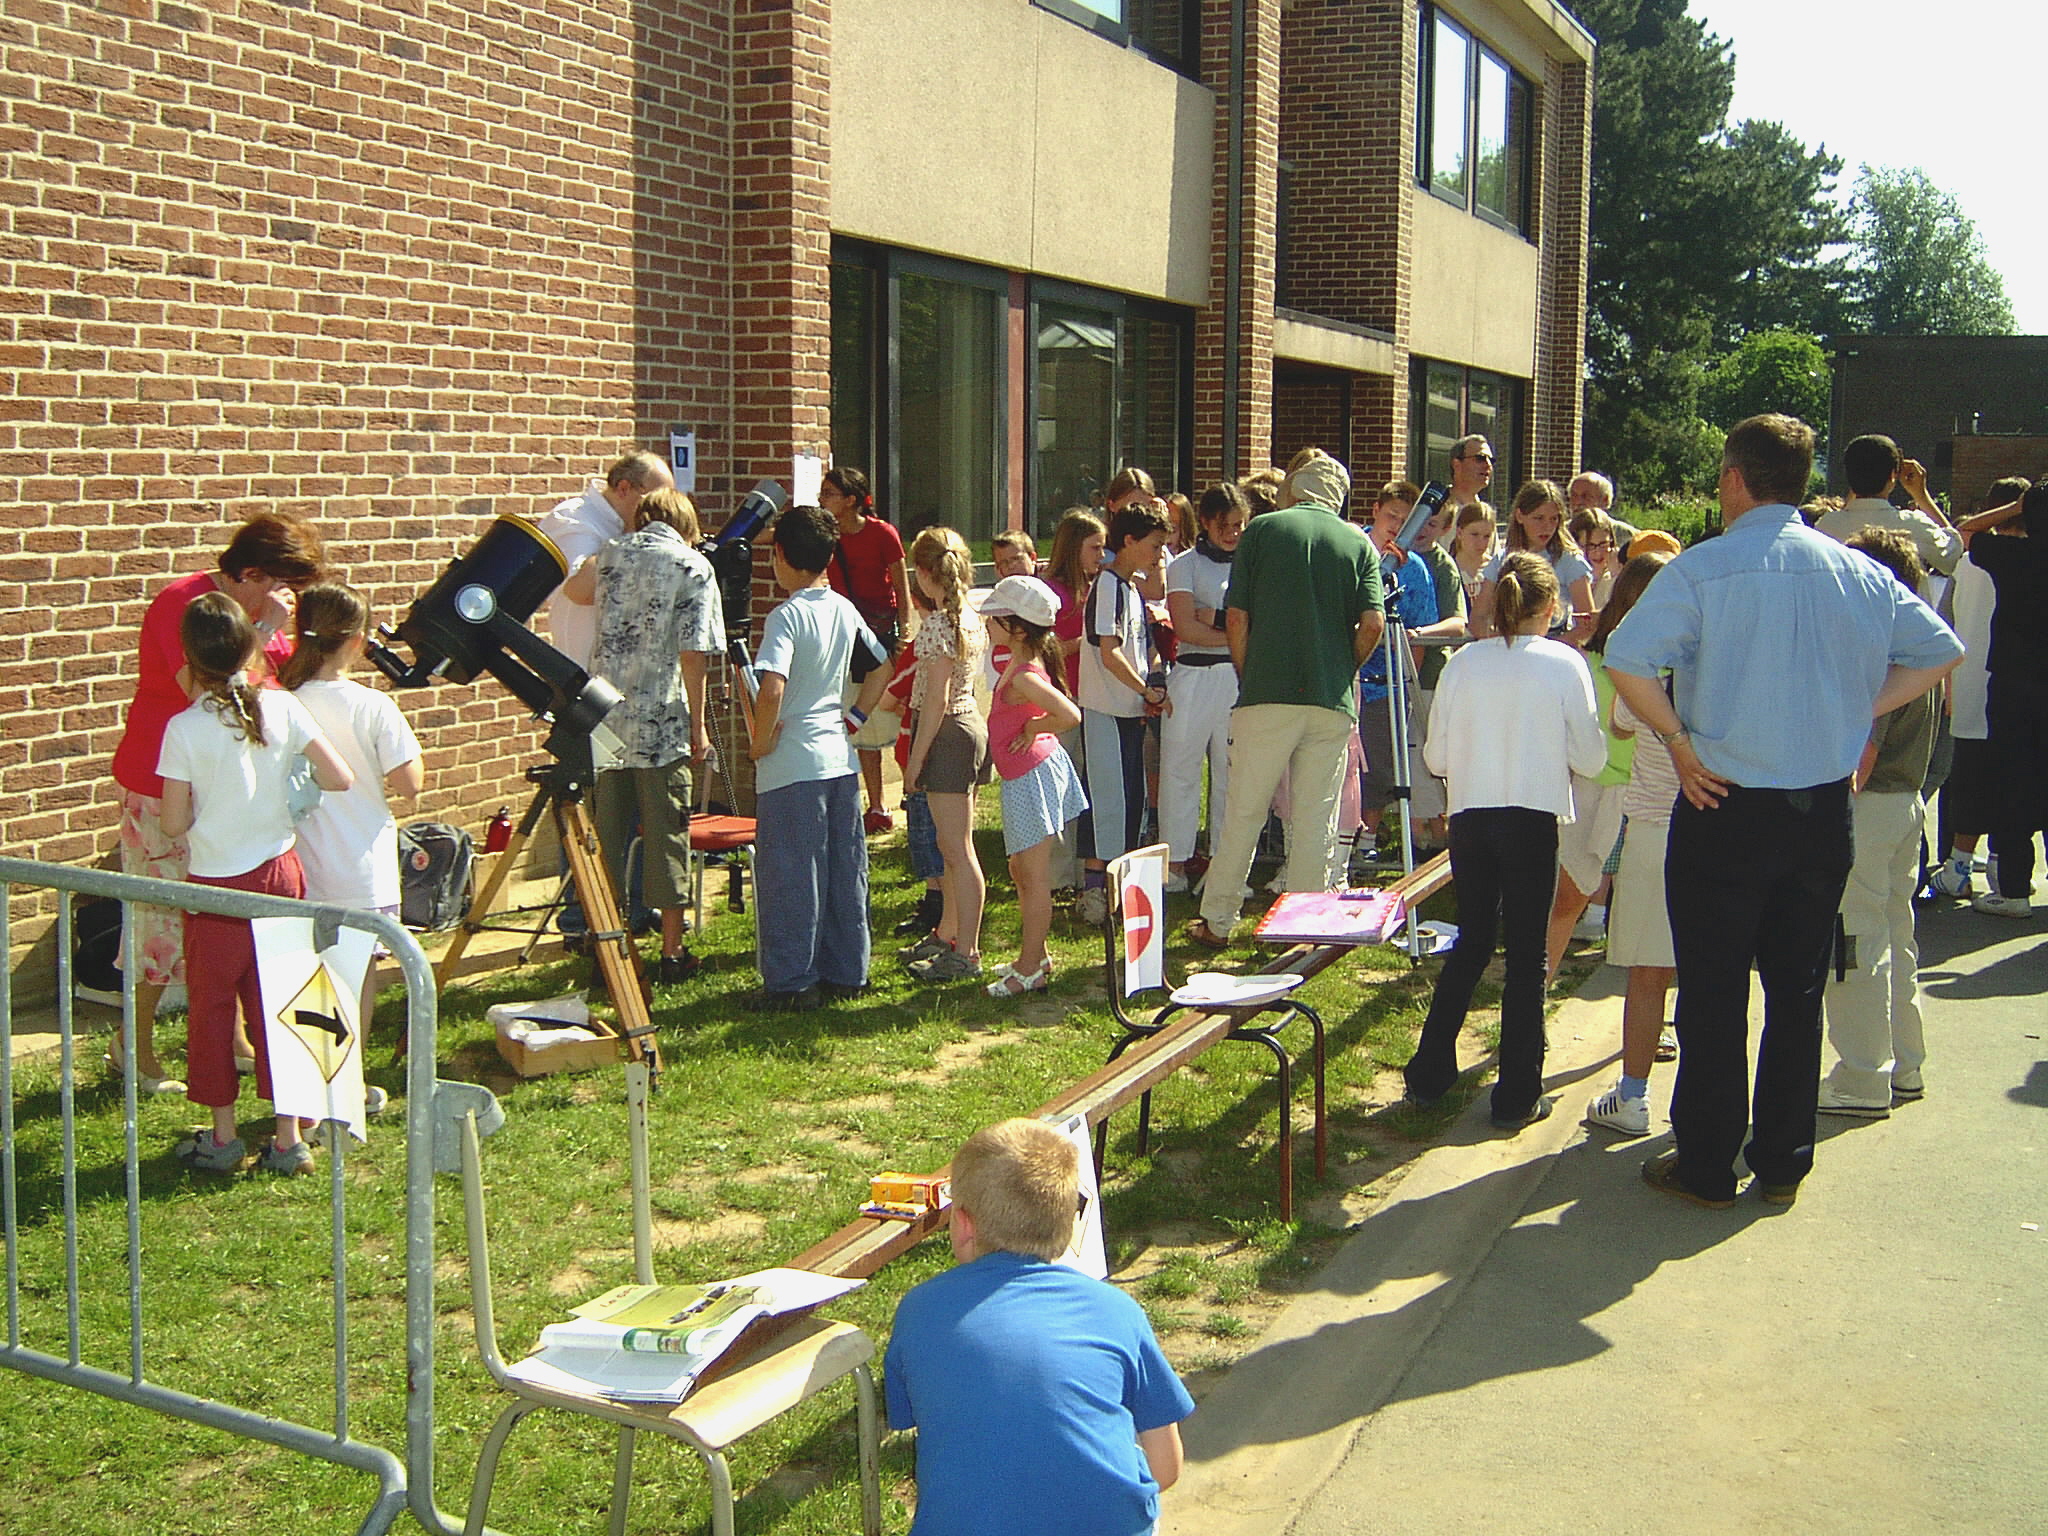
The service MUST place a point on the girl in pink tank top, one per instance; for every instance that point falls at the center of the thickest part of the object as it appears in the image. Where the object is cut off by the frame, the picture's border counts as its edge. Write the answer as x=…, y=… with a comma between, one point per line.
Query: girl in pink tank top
x=1041, y=789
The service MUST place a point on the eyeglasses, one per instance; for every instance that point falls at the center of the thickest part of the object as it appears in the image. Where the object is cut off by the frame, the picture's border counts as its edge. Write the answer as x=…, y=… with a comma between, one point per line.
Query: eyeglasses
x=1484, y=458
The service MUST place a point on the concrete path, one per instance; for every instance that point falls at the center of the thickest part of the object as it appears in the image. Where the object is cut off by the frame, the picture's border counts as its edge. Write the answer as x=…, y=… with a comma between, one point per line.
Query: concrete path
x=1527, y=1338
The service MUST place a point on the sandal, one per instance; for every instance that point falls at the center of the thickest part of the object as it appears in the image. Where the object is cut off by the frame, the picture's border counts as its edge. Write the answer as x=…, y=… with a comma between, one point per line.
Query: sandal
x=1012, y=982
x=1198, y=929
x=147, y=1086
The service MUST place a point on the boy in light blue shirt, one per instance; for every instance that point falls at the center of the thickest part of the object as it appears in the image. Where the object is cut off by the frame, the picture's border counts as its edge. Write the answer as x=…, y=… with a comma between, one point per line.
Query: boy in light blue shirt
x=810, y=858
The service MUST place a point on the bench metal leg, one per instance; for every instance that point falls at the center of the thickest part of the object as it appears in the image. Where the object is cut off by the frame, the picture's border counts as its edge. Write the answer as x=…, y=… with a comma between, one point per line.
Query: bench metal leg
x=1322, y=1119
x=720, y=1477
x=870, y=1451
x=487, y=1466
x=622, y=1480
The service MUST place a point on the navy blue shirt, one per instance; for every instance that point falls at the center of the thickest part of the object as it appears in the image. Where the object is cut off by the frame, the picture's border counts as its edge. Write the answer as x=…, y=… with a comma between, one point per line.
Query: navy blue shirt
x=1778, y=639
x=1028, y=1384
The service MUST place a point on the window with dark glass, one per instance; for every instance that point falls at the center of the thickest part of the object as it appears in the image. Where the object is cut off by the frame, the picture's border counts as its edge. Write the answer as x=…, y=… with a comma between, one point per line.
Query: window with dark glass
x=1110, y=388
x=918, y=374
x=1447, y=402
x=1473, y=139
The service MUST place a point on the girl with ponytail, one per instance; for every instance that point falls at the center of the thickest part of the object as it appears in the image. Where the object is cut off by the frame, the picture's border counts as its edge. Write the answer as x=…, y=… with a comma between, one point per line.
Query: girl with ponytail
x=226, y=766
x=948, y=750
x=1511, y=724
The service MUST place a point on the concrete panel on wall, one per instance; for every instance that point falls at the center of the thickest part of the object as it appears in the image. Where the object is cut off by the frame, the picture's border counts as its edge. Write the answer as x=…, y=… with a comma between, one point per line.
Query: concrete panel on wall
x=1329, y=344
x=1103, y=178
x=1475, y=290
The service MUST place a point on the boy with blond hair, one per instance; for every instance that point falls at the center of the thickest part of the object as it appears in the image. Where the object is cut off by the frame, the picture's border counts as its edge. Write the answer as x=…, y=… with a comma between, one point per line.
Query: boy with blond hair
x=1041, y=1400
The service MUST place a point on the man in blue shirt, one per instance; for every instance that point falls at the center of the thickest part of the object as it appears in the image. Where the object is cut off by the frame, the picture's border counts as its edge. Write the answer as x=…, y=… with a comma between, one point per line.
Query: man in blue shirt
x=1782, y=648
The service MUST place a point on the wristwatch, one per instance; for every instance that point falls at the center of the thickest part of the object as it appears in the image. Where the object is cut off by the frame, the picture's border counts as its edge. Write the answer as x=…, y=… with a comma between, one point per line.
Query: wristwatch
x=1668, y=737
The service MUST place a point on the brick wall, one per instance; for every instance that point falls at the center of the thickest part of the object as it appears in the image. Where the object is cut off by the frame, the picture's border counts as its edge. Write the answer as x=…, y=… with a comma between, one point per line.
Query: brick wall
x=1311, y=409
x=1347, y=126
x=1562, y=179
x=1981, y=460
x=1251, y=432
x=397, y=267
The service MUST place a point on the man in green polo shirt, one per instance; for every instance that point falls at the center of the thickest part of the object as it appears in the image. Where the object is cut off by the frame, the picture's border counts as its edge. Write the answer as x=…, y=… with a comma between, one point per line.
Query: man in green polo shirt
x=1304, y=612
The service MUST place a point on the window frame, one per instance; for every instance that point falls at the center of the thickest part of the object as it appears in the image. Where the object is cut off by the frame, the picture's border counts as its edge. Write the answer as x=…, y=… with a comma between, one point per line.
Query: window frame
x=1117, y=29
x=1125, y=307
x=1519, y=126
x=889, y=265
x=1511, y=401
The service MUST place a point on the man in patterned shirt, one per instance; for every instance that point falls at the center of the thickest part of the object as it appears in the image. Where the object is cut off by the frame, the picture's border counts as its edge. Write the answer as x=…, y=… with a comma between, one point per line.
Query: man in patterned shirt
x=658, y=619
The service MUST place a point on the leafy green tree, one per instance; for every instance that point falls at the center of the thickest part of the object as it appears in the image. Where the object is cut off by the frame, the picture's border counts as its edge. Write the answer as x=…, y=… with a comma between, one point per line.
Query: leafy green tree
x=1700, y=233
x=1769, y=371
x=1920, y=265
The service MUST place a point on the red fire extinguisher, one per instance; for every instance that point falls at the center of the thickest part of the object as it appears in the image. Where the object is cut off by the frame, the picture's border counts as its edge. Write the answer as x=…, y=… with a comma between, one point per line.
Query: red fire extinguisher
x=498, y=835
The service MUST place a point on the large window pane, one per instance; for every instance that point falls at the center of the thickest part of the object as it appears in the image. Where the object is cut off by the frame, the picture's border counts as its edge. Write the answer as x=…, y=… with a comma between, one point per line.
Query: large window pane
x=1449, y=111
x=948, y=437
x=1076, y=408
x=1490, y=170
x=1441, y=414
x=853, y=366
x=1149, y=399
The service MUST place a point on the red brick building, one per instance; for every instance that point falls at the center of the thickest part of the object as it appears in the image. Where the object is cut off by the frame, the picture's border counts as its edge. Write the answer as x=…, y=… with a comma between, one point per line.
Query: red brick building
x=404, y=266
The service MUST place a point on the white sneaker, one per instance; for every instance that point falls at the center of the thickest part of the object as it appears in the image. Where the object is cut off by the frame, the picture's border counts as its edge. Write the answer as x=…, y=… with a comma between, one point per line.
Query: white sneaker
x=1953, y=879
x=1831, y=1105
x=1092, y=906
x=1612, y=1112
x=1176, y=882
x=1592, y=926
x=2004, y=906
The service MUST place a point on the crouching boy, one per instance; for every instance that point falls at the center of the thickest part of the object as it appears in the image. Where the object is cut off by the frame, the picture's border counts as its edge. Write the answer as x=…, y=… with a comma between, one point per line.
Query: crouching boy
x=1041, y=1400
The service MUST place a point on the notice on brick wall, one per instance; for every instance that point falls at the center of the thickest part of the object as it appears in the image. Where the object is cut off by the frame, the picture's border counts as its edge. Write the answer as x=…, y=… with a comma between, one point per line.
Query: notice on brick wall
x=682, y=458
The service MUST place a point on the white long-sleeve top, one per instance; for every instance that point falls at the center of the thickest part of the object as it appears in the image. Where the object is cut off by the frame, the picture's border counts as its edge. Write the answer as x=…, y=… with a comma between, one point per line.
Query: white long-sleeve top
x=1512, y=723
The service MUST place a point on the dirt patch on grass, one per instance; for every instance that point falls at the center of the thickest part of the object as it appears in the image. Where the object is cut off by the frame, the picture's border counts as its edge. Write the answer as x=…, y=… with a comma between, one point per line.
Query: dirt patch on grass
x=573, y=1281
x=776, y=1173
x=726, y=1226
x=842, y=1140
x=959, y=1055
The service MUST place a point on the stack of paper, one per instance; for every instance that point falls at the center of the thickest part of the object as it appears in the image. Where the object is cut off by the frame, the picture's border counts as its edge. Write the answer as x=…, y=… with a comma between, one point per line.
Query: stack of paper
x=650, y=1343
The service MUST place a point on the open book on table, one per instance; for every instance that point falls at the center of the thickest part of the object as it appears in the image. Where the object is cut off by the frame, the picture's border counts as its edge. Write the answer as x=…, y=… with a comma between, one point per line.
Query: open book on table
x=650, y=1343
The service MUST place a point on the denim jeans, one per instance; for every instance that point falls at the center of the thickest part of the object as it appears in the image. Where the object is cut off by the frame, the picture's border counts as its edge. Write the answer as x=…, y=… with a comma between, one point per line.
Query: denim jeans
x=1504, y=870
x=922, y=836
x=1757, y=880
x=811, y=885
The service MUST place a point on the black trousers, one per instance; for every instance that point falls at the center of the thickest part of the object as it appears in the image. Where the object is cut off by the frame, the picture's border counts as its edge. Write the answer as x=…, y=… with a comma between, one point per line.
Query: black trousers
x=1755, y=881
x=1504, y=869
x=2016, y=710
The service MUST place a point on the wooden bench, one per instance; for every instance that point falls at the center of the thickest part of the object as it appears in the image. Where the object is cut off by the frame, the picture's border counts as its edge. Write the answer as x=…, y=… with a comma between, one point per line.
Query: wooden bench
x=864, y=1245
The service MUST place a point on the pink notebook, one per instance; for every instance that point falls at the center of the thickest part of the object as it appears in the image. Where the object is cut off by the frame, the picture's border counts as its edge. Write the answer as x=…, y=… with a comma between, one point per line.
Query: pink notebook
x=1332, y=917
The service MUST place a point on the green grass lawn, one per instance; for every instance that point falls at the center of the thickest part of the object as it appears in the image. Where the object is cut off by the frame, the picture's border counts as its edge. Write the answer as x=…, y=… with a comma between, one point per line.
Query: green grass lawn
x=763, y=1134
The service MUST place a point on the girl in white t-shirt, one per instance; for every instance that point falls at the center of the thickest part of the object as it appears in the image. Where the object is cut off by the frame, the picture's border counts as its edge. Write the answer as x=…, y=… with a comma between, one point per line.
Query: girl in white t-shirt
x=1512, y=723
x=226, y=765
x=348, y=843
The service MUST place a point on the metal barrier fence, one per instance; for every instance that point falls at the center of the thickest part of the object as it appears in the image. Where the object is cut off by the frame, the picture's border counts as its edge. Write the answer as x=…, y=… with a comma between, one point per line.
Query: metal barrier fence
x=433, y=1111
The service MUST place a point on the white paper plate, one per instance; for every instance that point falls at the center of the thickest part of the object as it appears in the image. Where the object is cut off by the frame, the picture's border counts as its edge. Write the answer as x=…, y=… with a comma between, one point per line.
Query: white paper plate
x=1219, y=989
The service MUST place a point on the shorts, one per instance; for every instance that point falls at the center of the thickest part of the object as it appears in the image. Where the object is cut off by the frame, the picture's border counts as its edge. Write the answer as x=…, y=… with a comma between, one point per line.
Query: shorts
x=1039, y=804
x=1584, y=842
x=958, y=759
x=1970, y=797
x=159, y=931
x=1638, y=922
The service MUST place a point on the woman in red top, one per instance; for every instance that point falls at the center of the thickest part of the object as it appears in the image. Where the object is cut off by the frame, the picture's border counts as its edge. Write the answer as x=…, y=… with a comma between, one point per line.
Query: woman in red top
x=269, y=557
x=868, y=570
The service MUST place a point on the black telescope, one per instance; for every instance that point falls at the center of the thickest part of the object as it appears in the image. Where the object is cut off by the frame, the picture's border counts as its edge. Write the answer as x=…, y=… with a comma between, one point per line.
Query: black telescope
x=473, y=619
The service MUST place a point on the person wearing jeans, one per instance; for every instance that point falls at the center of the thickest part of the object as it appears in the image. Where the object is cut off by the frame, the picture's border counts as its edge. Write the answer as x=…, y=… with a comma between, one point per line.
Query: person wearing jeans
x=1514, y=720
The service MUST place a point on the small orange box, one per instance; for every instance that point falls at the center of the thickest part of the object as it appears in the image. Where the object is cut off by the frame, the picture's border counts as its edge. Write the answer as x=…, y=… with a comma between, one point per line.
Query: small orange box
x=924, y=1191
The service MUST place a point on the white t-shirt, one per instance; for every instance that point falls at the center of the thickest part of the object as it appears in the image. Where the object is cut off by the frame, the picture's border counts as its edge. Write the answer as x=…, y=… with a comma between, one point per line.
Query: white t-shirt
x=580, y=527
x=1969, y=685
x=241, y=817
x=1512, y=722
x=1207, y=581
x=349, y=842
x=1115, y=608
x=808, y=641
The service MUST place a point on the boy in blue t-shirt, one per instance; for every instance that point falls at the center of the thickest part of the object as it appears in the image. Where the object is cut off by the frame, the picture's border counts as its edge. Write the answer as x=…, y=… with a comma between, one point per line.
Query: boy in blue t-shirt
x=1042, y=1403
x=810, y=857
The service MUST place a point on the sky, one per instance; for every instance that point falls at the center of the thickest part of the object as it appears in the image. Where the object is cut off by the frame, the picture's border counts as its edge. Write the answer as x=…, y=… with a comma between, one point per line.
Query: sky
x=1950, y=88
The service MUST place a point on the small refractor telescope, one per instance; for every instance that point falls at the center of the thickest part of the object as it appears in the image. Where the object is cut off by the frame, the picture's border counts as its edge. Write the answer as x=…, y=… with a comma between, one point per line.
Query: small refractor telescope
x=473, y=620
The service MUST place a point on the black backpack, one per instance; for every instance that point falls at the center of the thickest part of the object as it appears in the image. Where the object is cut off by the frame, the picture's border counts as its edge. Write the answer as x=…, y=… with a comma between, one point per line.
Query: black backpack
x=434, y=865
x=96, y=946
